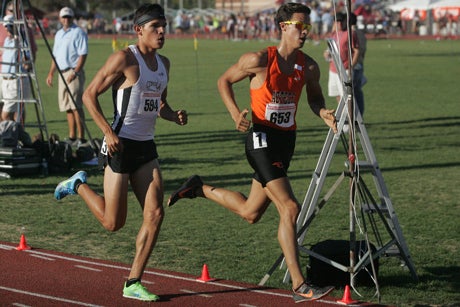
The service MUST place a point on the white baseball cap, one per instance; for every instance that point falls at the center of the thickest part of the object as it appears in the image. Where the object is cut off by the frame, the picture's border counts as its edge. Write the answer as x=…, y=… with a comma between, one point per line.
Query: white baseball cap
x=66, y=11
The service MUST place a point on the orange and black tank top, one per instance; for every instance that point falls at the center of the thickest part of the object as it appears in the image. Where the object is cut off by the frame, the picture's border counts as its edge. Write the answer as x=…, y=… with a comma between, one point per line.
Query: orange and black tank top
x=274, y=104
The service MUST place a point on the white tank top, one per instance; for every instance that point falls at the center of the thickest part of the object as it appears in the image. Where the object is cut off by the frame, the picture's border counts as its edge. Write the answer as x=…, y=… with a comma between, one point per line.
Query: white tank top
x=138, y=106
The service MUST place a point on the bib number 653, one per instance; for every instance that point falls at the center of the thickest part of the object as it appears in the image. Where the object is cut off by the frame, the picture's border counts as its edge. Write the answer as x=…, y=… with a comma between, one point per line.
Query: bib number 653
x=280, y=117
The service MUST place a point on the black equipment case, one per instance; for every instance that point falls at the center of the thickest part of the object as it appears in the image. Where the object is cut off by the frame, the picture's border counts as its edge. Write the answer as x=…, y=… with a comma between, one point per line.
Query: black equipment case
x=320, y=273
x=19, y=161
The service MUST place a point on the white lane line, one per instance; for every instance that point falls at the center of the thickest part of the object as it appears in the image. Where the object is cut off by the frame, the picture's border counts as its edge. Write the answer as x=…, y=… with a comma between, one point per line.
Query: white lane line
x=88, y=268
x=156, y=273
x=49, y=297
x=42, y=257
x=34, y=252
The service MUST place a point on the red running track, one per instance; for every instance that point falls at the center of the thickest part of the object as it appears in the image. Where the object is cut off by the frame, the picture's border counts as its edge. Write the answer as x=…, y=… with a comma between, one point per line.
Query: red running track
x=46, y=278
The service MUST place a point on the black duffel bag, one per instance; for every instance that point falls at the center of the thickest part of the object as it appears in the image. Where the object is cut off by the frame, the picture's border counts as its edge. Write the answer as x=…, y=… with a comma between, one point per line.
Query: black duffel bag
x=323, y=274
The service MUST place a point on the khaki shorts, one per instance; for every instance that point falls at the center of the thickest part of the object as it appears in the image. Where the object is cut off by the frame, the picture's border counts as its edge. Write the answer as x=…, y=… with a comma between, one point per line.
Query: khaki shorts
x=14, y=89
x=76, y=89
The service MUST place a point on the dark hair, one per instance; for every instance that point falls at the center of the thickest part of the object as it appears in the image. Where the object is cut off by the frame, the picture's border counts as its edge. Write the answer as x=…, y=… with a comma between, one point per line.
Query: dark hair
x=339, y=16
x=148, y=12
x=344, y=22
x=353, y=19
x=286, y=11
x=9, y=28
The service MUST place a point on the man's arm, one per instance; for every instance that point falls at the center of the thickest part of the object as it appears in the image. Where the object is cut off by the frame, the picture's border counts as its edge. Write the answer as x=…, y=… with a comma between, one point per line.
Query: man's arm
x=49, y=78
x=354, y=49
x=248, y=65
x=53, y=66
x=80, y=63
x=315, y=95
x=110, y=73
x=179, y=116
x=76, y=71
x=33, y=43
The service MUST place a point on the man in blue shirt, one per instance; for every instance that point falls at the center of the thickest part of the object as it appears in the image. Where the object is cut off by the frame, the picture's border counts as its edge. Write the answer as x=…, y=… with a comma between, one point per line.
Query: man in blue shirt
x=70, y=51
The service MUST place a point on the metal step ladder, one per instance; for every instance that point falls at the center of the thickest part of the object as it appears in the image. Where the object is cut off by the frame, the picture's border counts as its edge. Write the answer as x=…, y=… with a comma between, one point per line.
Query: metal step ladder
x=373, y=207
x=24, y=72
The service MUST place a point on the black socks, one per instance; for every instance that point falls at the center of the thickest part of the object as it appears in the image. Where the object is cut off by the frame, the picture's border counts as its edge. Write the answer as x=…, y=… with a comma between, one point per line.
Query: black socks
x=77, y=185
x=132, y=281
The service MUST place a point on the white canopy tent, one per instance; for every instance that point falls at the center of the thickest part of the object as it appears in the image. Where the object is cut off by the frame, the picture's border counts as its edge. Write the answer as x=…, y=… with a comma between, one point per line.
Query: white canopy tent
x=411, y=4
x=444, y=3
x=423, y=4
x=428, y=11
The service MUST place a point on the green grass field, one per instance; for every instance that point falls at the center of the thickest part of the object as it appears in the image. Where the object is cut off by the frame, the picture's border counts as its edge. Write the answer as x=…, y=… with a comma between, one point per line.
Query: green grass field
x=413, y=120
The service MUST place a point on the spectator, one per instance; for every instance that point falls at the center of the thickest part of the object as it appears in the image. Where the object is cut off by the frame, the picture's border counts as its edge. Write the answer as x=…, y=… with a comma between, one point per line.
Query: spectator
x=230, y=27
x=3, y=35
x=315, y=17
x=16, y=53
x=10, y=83
x=178, y=23
x=358, y=69
x=327, y=21
x=340, y=36
x=70, y=51
x=46, y=25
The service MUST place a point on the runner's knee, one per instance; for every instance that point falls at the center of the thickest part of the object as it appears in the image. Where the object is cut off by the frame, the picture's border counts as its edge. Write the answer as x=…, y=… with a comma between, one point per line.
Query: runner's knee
x=252, y=217
x=113, y=225
x=290, y=210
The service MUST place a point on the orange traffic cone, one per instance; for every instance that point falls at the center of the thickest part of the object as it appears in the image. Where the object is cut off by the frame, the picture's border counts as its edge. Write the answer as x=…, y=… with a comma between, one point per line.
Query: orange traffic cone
x=346, y=299
x=205, y=275
x=23, y=244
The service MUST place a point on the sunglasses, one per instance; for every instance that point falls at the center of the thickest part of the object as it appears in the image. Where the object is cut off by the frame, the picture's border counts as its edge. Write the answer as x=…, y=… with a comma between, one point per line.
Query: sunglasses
x=299, y=25
x=67, y=17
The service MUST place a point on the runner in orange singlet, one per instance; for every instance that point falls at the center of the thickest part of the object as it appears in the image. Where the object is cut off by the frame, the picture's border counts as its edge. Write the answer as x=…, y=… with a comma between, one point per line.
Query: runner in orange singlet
x=277, y=76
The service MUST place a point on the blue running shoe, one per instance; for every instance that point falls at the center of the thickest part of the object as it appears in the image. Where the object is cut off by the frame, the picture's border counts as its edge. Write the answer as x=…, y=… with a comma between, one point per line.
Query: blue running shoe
x=138, y=292
x=67, y=187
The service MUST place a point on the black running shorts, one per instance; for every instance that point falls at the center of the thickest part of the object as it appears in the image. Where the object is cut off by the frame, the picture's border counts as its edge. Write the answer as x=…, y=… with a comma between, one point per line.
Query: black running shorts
x=269, y=152
x=134, y=155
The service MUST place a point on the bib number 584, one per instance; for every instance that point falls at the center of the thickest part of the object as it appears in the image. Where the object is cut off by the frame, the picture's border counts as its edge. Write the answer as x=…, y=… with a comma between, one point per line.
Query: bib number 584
x=151, y=105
